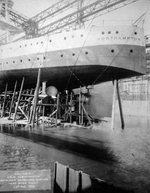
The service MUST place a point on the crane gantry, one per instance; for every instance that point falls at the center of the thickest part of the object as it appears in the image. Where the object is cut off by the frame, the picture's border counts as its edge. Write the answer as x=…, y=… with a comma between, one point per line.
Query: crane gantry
x=41, y=24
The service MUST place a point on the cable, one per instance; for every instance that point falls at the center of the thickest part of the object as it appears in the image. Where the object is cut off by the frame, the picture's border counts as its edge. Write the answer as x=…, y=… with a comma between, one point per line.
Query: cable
x=72, y=73
x=32, y=63
x=94, y=82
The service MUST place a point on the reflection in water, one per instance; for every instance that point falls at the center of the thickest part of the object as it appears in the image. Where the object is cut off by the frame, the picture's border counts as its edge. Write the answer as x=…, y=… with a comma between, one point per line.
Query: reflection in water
x=120, y=156
x=132, y=147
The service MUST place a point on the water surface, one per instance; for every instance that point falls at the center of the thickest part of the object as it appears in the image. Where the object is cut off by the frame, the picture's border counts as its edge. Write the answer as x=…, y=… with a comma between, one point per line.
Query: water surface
x=121, y=157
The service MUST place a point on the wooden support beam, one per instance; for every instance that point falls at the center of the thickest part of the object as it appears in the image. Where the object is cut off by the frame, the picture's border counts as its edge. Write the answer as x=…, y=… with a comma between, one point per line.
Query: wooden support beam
x=44, y=87
x=3, y=109
x=80, y=106
x=71, y=107
x=31, y=107
x=22, y=112
x=120, y=107
x=43, y=112
x=31, y=112
x=82, y=111
x=66, y=103
x=113, y=106
x=17, y=104
x=12, y=100
x=87, y=116
x=57, y=108
x=36, y=96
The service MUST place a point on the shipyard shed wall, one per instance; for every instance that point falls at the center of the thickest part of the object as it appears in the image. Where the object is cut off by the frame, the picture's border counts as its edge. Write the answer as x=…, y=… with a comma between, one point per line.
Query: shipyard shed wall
x=135, y=95
x=136, y=108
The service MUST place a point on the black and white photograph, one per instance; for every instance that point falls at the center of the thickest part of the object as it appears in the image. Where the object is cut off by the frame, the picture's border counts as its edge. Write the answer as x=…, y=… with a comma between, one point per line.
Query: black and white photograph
x=75, y=96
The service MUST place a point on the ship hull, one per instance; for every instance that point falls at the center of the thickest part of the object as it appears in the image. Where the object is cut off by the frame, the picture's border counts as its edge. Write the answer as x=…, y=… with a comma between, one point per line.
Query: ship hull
x=67, y=64
x=86, y=76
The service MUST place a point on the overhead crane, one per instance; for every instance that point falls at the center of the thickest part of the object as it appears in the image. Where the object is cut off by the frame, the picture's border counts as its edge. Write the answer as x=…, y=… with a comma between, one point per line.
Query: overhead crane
x=41, y=24
x=88, y=12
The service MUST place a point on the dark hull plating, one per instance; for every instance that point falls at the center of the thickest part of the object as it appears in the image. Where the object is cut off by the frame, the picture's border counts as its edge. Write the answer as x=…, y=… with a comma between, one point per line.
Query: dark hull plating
x=61, y=77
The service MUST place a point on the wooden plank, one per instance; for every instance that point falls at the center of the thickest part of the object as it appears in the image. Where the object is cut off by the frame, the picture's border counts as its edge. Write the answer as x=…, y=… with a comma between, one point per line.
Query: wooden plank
x=86, y=183
x=73, y=180
x=17, y=104
x=12, y=100
x=36, y=96
x=60, y=179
